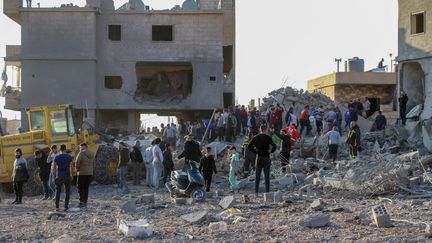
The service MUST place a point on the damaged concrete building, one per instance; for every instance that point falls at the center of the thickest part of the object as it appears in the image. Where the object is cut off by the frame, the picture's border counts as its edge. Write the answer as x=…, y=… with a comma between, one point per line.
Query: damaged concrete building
x=114, y=65
x=415, y=60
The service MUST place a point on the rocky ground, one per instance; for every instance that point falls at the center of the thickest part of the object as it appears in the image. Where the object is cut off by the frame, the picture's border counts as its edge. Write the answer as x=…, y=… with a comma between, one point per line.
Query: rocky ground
x=255, y=221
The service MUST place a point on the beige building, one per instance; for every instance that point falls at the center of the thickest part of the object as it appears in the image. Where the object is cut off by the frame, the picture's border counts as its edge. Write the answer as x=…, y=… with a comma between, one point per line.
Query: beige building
x=415, y=59
x=342, y=87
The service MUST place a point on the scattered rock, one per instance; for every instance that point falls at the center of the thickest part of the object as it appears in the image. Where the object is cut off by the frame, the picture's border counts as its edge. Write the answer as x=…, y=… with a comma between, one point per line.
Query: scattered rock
x=218, y=227
x=227, y=202
x=55, y=215
x=147, y=199
x=278, y=197
x=65, y=239
x=246, y=199
x=129, y=207
x=180, y=201
x=316, y=205
x=285, y=183
x=315, y=220
x=195, y=217
x=428, y=230
x=269, y=197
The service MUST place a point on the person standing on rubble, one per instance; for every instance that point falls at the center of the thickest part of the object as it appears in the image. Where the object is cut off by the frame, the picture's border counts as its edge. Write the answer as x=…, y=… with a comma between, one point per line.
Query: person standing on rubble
x=62, y=172
x=148, y=159
x=124, y=157
x=137, y=160
x=290, y=118
x=403, y=100
x=380, y=122
x=233, y=158
x=285, y=147
x=338, y=121
x=304, y=121
x=248, y=155
x=353, y=139
x=20, y=175
x=44, y=172
x=168, y=163
x=319, y=115
x=84, y=165
x=157, y=163
x=208, y=167
x=191, y=152
x=367, y=108
x=170, y=135
x=333, y=142
x=230, y=126
x=221, y=127
x=260, y=145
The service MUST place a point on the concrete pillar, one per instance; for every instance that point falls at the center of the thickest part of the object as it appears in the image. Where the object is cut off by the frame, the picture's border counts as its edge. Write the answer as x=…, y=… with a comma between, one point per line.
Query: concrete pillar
x=91, y=117
x=133, y=121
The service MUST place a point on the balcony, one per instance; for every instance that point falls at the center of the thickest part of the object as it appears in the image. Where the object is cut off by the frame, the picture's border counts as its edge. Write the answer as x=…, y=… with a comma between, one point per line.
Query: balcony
x=11, y=9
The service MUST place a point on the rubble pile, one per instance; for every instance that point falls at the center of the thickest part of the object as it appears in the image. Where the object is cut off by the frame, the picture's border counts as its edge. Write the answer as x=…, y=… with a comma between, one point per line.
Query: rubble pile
x=297, y=99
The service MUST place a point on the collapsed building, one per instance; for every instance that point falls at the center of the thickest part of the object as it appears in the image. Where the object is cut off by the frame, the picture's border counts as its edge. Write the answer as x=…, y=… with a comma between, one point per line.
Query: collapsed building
x=113, y=65
x=415, y=63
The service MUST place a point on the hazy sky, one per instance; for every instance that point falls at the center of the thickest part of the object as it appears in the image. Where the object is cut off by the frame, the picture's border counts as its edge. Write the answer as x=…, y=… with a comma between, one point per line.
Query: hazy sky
x=286, y=39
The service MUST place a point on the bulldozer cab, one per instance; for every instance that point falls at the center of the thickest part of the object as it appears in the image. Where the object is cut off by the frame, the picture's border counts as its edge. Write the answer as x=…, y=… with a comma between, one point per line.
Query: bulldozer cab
x=55, y=124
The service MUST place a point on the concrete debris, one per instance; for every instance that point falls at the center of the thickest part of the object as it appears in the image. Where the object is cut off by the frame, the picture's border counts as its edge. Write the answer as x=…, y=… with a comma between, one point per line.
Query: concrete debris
x=315, y=220
x=218, y=227
x=136, y=229
x=286, y=183
x=195, y=217
x=180, y=200
x=227, y=202
x=129, y=207
x=55, y=215
x=269, y=197
x=381, y=217
x=65, y=239
x=316, y=205
x=147, y=199
x=278, y=197
x=428, y=230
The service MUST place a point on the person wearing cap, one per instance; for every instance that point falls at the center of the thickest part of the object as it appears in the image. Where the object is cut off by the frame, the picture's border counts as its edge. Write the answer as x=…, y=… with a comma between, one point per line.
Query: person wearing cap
x=84, y=164
x=233, y=160
x=62, y=172
x=260, y=145
x=285, y=146
x=122, y=167
x=208, y=167
x=190, y=152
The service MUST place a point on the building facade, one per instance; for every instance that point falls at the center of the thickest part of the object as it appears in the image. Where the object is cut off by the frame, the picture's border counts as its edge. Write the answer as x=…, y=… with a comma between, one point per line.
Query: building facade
x=415, y=59
x=113, y=65
x=378, y=87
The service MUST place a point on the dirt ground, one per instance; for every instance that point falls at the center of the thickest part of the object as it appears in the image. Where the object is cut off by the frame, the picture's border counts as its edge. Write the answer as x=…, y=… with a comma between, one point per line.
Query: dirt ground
x=261, y=222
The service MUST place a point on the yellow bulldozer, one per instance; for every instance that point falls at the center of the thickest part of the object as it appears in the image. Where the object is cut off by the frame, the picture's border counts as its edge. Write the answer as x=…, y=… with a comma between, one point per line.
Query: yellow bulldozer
x=51, y=125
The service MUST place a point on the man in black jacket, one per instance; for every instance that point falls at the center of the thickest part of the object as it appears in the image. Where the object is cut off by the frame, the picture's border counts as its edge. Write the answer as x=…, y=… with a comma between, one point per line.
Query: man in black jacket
x=44, y=172
x=191, y=152
x=260, y=145
x=353, y=139
x=168, y=163
x=208, y=167
x=403, y=100
x=285, y=147
x=137, y=161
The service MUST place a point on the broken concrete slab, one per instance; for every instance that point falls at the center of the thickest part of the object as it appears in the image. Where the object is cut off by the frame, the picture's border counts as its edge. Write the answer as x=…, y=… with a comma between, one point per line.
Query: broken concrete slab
x=195, y=217
x=227, y=202
x=129, y=207
x=315, y=220
x=218, y=227
x=286, y=183
x=136, y=229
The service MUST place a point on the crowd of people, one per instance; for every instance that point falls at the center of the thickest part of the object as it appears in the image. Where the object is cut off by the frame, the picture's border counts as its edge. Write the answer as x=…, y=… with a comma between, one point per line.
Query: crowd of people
x=262, y=131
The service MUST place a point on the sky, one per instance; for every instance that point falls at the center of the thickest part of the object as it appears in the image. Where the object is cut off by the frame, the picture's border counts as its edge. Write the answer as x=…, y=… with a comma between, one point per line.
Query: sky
x=284, y=41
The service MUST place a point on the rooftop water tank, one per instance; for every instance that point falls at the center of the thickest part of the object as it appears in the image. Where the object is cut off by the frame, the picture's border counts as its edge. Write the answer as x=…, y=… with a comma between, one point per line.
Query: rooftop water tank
x=356, y=64
x=190, y=5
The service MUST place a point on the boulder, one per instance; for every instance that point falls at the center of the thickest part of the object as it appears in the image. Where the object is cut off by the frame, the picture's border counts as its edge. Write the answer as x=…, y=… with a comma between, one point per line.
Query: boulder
x=316, y=205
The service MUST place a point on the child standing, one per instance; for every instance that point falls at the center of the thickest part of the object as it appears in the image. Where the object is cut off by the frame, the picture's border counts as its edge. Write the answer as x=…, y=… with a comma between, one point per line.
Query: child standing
x=208, y=167
x=234, y=159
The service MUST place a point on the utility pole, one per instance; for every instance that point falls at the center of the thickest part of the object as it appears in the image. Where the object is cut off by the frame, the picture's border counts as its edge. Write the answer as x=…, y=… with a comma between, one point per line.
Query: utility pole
x=338, y=61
